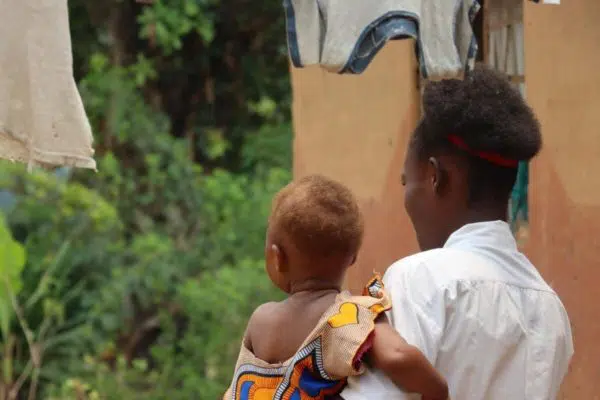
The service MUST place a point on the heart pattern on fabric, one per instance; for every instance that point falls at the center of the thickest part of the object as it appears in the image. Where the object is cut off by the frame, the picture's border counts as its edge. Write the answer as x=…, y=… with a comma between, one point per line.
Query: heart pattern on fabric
x=348, y=315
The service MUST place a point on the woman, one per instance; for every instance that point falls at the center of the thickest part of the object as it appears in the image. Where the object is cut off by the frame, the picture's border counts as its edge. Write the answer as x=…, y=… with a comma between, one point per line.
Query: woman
x=472, y=302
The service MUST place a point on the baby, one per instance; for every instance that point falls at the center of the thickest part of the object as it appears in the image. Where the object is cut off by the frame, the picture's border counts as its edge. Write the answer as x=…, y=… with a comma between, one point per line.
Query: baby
x=306, y=346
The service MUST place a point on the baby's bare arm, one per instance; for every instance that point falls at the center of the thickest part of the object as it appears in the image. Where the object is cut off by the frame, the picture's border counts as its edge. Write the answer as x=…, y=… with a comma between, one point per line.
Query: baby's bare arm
x=405, y=364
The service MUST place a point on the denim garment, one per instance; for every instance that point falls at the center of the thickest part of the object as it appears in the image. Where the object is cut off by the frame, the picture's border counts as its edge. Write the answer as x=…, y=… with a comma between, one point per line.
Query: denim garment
x=344, y=36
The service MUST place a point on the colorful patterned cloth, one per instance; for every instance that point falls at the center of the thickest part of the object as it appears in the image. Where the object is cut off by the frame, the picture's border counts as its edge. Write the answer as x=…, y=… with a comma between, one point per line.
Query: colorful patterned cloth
x=331, y=353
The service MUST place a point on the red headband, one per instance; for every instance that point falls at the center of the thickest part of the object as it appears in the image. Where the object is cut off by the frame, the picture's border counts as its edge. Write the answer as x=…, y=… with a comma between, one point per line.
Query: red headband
x=494, y=158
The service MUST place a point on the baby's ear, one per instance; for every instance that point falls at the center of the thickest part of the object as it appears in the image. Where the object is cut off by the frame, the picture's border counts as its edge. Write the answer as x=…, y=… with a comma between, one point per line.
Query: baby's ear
x=279, y=258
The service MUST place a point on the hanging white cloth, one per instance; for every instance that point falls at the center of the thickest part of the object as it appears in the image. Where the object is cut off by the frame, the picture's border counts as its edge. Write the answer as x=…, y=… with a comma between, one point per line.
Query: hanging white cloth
x=507, y=54
x=506, y=50
x=344, y=36
x=42, y=118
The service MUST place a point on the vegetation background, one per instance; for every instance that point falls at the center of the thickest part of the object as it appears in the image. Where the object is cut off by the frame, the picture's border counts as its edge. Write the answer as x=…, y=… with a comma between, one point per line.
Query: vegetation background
x=136, y=282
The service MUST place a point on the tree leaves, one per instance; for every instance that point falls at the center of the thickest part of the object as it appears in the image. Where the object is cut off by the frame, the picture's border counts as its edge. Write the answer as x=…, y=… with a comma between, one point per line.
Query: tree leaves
x=12, y=261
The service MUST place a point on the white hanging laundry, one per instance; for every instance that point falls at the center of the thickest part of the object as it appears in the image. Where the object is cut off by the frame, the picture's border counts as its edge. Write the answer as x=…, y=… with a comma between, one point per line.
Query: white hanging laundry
x=42, y=118
x=505, y=38
x=344, y=36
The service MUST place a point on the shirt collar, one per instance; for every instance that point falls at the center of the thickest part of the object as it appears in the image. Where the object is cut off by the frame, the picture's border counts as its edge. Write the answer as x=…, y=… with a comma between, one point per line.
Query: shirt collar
x=483, y=234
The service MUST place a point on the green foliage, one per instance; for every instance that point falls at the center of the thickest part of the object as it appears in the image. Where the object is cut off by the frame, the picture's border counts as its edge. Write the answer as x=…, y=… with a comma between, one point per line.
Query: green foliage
x=12, y=261
x=138, y=279
x=67, y=229
x=168, y=22
x=69, y=234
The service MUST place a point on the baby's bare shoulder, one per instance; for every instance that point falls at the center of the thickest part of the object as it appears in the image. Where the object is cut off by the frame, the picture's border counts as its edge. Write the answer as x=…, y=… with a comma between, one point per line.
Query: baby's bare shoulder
x=261, y=320
x=265, y=313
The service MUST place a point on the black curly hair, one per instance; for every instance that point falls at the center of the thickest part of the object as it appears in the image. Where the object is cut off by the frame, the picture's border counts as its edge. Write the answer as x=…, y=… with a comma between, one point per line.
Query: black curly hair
x=484, y=119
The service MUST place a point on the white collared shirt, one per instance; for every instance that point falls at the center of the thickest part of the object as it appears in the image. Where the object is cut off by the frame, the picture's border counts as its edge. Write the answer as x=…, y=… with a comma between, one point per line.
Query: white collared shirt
x=484, y=317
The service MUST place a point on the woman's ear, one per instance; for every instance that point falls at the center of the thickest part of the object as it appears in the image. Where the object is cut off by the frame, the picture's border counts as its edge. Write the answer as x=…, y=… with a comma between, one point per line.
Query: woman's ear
x=439, y=175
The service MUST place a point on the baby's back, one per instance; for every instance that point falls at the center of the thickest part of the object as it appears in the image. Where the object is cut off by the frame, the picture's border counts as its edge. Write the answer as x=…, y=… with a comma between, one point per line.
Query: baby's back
x=277, y=330
x=307, y=345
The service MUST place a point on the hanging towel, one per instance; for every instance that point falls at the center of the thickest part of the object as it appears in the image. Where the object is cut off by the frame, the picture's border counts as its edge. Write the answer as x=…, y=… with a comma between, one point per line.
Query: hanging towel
x=344, y=36
x=42, y=119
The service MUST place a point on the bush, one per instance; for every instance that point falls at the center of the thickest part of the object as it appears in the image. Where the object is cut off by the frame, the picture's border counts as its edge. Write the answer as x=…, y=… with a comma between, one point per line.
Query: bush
x=181, y=313
x=179, y=305
x=71, y=236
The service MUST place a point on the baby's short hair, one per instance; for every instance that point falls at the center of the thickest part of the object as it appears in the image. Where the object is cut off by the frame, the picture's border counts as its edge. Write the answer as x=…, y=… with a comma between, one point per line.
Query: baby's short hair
x=320, y=216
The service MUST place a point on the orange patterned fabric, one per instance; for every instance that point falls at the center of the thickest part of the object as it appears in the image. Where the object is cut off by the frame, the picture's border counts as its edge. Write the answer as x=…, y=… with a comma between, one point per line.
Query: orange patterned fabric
x=330, y=354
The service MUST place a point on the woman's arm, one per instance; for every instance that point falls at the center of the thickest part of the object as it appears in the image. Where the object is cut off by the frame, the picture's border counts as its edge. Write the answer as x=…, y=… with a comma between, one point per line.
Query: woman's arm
x=404, y=364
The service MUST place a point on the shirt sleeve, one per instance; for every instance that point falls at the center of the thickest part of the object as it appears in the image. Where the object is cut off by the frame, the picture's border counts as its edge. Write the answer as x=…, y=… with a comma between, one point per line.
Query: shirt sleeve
x=418, y=314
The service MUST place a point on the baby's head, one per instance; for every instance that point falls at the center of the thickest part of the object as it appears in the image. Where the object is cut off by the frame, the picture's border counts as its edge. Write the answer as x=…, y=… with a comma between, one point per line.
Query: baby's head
x=315, y=231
